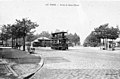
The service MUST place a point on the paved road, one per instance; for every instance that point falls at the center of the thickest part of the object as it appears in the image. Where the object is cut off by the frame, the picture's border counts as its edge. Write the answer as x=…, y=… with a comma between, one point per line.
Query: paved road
x=79, y=63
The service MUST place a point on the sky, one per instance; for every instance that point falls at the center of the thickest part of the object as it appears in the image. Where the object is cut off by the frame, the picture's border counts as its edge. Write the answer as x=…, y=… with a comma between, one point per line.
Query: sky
x=73, y=16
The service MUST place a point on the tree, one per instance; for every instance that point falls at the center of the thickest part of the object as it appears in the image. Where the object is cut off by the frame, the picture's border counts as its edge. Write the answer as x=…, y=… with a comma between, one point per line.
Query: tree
x=113, y=33
x=105, y=32
x=102, y=32
x=73, y=38
x=76, y=39
x=91, y=40
x=70, y=37
x=44, y=34
x=5, y=33
x=30, y=37
x=25, y=27
x=12, y=30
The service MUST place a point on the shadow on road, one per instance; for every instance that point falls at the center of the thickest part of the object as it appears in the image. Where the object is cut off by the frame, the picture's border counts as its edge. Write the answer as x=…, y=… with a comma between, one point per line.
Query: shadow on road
x=49, y=60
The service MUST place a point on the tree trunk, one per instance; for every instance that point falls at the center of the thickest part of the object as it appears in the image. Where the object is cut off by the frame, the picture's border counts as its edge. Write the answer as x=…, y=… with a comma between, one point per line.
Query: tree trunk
x=6, y=43
x=24, y=35
x=12, y=42
x=2, y=43
x=16, y=43
x=24, y=43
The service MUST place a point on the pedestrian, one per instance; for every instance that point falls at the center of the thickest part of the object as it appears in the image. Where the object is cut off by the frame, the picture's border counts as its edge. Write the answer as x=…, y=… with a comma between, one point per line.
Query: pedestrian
x=28, y=48
x=17, y=45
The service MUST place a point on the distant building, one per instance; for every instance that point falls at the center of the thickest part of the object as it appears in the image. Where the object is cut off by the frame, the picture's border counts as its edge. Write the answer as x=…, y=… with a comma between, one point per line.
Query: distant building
x=42, y=42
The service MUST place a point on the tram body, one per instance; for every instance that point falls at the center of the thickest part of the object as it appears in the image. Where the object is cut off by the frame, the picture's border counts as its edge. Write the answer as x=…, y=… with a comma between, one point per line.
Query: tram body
x=59, y=41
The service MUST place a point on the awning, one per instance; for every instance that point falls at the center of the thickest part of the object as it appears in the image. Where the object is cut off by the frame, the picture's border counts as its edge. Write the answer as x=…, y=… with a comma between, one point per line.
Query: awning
x=36, y=40
x=43, y=38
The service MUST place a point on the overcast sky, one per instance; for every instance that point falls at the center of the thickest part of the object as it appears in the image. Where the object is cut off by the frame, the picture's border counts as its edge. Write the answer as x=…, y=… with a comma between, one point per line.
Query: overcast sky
x=81, y=17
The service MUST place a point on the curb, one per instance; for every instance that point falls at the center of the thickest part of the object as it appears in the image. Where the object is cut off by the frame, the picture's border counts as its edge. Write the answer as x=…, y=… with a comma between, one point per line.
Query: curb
x=28, y=75
x=25, y=76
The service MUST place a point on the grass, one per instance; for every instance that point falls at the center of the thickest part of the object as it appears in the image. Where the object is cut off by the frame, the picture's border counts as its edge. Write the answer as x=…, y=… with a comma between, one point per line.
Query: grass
x=18, y=56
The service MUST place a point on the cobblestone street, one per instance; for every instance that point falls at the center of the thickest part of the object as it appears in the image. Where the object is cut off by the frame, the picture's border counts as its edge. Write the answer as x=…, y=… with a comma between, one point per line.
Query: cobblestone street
x=78, y=74
x=79, y=63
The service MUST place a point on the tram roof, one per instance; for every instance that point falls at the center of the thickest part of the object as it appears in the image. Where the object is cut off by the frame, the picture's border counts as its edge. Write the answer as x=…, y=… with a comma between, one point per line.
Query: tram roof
x=59, y=32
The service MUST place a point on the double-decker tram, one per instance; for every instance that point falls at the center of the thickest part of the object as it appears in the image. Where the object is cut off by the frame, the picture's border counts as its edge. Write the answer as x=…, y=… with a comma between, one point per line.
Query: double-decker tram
x=59, y=41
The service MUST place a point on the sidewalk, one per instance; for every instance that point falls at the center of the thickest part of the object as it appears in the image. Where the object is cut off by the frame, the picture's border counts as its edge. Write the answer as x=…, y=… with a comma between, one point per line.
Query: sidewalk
x=5, y=72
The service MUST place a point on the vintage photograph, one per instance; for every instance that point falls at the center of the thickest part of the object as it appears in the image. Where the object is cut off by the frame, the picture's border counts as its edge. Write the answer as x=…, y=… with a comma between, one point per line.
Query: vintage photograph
x=59, y=39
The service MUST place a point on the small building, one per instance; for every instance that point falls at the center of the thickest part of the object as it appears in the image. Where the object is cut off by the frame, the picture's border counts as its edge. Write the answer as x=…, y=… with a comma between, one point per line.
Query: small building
x=42, y=42
x=108, y=44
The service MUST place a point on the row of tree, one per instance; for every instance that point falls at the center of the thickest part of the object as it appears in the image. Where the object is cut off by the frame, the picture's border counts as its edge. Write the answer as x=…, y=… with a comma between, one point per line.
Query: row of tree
x=91, y=40
x=102, y=32
x=19, y=30
x=23, y=30
x=74, y=38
